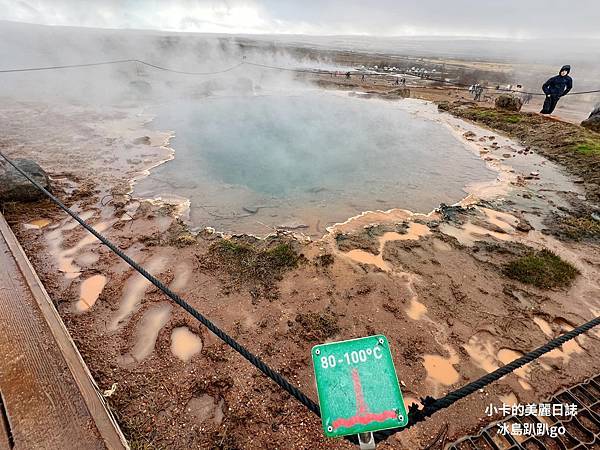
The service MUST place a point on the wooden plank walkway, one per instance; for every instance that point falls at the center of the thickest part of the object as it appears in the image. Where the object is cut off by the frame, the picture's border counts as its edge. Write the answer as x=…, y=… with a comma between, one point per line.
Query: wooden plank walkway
x=48, y=397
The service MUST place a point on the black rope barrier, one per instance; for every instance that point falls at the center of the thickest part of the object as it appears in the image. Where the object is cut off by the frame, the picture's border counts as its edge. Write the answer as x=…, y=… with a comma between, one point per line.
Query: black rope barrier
x=120, y=61
x=66, y=66
x=267, y=66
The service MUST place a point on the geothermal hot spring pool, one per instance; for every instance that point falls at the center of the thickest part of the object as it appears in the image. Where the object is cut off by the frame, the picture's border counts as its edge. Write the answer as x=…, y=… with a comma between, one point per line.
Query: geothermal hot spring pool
x=306, y=161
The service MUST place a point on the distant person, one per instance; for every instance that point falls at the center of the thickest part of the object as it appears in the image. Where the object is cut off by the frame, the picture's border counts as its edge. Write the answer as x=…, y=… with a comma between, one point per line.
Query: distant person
x=363, y=77
x=403, y=81
x=518, y=92
x=477, y=92
x=524, y=96
x=348, y=75
x=397, y=80
x=556, y=87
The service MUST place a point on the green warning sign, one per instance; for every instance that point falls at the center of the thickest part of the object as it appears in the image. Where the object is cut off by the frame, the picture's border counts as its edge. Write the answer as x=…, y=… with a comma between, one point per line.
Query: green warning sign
x=358, y=387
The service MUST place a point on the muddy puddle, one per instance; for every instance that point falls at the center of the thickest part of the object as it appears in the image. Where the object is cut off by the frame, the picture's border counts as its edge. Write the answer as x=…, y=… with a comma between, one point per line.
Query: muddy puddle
x=37, y=224
x=147, y=332
x=65, y=256
x=559, y=326
x=89, y=292
x=442, y=370
x=267, y=172
x=414, y=232
x=185, y=344
x=416, y=309
x=134, y=290
x=485, y=352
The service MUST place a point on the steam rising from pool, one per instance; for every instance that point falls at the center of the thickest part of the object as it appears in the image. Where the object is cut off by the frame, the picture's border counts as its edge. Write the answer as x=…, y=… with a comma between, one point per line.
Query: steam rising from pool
x=251, y=163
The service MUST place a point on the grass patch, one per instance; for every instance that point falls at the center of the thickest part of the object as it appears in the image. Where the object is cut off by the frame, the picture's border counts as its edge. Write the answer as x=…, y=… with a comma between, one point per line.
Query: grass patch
x=543, y=269
x=578, y=228
x=590, y=147
x=513, y=119
x=231, y=248
x=492, y=114
x=249, y=260
x=485, y=113
x=249, y=264
x=282, y=255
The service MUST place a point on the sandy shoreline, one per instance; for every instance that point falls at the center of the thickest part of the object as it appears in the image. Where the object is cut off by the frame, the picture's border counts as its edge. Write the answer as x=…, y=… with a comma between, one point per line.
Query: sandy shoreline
x=432, y=283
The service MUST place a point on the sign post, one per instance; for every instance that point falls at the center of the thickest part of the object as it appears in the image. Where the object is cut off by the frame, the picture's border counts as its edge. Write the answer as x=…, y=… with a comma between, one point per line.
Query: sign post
x=358, y=388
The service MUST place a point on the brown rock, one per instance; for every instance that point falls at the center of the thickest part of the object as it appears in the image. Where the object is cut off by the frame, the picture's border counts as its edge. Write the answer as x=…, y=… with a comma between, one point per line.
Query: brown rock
x=593, y=122
x=14, y=187
x=509, y=102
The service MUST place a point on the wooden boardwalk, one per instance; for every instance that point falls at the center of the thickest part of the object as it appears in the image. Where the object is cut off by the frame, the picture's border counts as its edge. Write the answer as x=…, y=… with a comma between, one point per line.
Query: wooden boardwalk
x=48, y=397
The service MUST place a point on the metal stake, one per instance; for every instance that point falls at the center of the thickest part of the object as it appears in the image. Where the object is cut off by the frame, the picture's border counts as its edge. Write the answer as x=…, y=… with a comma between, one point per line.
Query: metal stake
x=366, y=441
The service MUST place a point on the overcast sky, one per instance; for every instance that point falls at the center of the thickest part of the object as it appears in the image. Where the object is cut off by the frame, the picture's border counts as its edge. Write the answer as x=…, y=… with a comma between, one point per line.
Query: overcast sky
x=494, y=18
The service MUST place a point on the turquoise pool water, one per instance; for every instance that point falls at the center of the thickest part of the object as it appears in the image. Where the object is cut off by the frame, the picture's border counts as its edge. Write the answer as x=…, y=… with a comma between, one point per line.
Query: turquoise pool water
x=314, y=158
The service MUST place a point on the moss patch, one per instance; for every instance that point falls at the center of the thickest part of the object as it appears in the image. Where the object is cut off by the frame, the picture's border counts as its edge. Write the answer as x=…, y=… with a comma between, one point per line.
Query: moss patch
x=178, y=235
x=578, y=228
x=251, y=261
x=543, y=269
x=589, y=147
x=485, y=113
x=257, y=265
x=282, y=256
x=513, y=119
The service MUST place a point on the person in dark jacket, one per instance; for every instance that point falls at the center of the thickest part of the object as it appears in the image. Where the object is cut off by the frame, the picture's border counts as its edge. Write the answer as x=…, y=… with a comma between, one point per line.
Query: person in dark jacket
x=555, y=88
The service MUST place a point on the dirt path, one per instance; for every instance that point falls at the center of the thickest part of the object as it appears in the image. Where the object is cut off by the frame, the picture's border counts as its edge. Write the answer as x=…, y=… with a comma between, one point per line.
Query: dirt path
x=435, y=285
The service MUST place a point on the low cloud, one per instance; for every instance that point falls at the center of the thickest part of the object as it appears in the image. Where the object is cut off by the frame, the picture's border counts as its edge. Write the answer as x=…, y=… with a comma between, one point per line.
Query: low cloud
x=507, y=18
